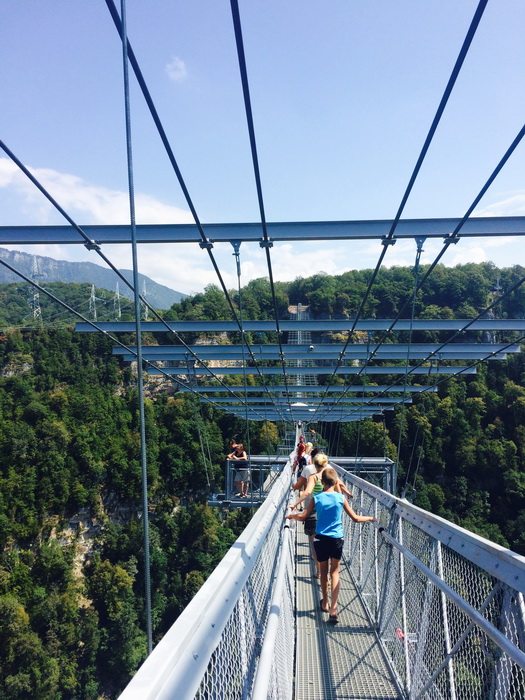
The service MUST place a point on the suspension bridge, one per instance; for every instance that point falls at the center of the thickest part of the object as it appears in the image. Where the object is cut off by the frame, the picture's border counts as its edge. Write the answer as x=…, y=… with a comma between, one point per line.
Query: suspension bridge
x=428, y=609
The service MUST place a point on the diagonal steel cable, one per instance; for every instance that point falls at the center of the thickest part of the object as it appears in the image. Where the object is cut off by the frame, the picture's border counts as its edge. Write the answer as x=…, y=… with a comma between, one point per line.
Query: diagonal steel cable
x=389, y=238
x=205, y=243
x=105, y=333
x=94, y=246
x=266, y=242
x=453, y=238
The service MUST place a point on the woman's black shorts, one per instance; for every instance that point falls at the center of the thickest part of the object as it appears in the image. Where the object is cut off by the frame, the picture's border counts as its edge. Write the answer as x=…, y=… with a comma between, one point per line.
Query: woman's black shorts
x=310, y=525
x=328, y=547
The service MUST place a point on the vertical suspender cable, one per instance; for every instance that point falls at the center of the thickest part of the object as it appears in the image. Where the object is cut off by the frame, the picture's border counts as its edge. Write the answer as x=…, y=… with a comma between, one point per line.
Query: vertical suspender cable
x=136, y=295
x=419, y=242
x=265, y=243
x=236, y=245
x=197, y=423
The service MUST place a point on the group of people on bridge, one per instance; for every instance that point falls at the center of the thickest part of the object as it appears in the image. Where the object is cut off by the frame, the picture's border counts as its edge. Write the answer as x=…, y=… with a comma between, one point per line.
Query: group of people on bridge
x=323, y=495
x=322, y=498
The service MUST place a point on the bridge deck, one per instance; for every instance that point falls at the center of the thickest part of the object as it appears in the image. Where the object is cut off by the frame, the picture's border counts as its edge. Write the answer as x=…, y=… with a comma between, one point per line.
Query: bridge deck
x=340, y=661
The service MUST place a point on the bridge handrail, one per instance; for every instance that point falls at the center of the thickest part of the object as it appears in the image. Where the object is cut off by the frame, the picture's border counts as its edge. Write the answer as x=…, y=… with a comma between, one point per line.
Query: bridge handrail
x=179, y=662
x=447, y=604
x=500, y=562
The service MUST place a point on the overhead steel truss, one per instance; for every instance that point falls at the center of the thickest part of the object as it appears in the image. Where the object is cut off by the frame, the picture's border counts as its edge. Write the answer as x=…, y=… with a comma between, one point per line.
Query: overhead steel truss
x=302, y=231
x=262, y=401
x=306, y=388
x=384, y=369
x=326, y=351
x=373, y=325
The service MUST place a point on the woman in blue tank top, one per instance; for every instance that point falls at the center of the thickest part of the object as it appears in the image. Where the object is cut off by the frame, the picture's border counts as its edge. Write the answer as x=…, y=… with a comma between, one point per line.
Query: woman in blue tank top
x=328, y=540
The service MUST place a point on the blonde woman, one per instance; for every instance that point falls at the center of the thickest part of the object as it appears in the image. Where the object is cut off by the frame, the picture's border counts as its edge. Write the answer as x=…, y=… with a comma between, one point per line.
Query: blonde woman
x=308, y=452
x=328, y=540
x=312, y=475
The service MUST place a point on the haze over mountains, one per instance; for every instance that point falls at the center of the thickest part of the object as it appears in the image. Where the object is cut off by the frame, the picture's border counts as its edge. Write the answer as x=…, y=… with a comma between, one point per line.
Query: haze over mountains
x=50, y=270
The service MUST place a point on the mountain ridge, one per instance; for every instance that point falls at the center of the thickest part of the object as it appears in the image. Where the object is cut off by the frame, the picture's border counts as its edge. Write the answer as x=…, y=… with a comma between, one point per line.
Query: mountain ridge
x=52, y=270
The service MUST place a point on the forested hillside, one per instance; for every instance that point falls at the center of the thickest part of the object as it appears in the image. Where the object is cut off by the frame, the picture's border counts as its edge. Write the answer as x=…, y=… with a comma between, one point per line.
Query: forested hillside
x=71, y=572
x=71, y=569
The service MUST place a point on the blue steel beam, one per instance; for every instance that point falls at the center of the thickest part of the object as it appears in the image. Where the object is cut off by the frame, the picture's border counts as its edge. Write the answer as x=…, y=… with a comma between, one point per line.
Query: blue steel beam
x=311, y=351
x=283, y=400
x=318, y=370
x=474, y=227
x=372, y=325
x=307, y=418
x=305, y=388
x=291, y=355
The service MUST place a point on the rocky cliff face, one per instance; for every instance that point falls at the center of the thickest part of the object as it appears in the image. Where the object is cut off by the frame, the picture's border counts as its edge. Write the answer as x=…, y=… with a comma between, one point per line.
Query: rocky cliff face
x=50, y=270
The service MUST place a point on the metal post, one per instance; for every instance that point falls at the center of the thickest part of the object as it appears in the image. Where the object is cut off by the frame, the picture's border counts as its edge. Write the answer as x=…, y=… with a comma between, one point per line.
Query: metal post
x=502, y=672
x=408, y=681
x=420, y=673
x=376, y=555
x=444, y=609
x=228, y=480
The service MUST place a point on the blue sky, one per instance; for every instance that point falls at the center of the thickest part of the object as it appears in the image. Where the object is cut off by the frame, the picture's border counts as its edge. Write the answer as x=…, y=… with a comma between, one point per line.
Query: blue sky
x=343, y=94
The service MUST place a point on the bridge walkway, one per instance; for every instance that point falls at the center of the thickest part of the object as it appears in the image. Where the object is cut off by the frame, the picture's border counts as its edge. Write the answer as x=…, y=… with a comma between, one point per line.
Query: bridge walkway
x=335, y=661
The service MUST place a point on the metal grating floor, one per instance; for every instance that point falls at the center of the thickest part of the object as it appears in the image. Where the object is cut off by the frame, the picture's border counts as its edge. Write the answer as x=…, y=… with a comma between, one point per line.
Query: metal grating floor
x=340, y=661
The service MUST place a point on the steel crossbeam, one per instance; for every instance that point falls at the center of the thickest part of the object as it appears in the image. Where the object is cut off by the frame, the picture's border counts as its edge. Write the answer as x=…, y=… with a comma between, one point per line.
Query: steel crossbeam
x=373, y=325
x=470, y=351
x=304, y=388
x=387, y=369
x=268, y=351
x=277, y=231
x=312, y=402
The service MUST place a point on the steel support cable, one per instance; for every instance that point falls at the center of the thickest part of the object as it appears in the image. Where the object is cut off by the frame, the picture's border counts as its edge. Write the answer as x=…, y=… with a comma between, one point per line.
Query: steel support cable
x=83, y=318
x=448, y=240
x=265, y=243
x=138, y=330
x=236, y=247
x=475, y=363
x=414, y=446
x=389, y=238
x=92, y=245
x=205, y=243
x=197, y=423
x=513, y=288
x=403, y=405
x=419, y=456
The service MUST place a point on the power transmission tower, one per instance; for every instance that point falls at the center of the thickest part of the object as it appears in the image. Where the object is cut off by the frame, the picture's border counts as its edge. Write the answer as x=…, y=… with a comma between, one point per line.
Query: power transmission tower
x=145, y=308
x=116, y=304
x=34, y=301
x=93, y=303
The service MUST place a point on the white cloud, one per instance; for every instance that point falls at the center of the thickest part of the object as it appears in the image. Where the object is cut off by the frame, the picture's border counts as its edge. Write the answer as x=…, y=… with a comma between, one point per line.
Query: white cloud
x=176, y=69
x=511, y=205
x=94, y=204
x=187, y=268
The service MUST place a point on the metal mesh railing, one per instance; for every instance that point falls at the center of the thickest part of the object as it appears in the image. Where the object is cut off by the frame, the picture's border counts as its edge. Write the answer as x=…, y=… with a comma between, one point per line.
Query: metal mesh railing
x=448, y=605
x=213, y=650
